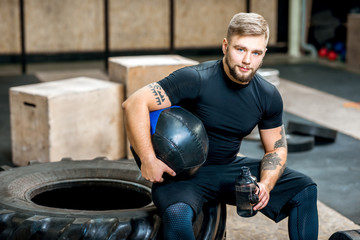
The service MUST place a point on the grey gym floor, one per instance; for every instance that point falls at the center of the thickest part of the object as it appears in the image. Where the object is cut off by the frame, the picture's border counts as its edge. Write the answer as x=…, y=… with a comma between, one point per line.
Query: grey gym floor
x=335, y=167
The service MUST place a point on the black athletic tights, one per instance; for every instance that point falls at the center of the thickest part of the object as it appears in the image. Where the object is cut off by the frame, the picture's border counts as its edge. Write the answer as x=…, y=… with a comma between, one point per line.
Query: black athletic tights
x=303, y=218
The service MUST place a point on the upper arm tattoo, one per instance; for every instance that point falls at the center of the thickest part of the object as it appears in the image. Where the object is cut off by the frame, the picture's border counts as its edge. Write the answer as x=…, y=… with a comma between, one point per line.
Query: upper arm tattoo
x=282, y=141
x=157, y=92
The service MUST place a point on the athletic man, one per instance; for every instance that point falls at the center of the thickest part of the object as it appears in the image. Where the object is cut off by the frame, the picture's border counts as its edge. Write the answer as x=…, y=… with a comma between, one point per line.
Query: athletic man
x=230, y=99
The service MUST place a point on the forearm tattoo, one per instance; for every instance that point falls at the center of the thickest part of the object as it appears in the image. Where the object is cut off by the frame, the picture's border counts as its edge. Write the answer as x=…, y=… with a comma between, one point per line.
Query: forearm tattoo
x=270, y=161
x=157, y=91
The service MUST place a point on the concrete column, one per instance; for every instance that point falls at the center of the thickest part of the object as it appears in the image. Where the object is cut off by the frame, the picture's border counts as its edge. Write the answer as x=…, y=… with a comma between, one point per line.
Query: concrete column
x=294, y=28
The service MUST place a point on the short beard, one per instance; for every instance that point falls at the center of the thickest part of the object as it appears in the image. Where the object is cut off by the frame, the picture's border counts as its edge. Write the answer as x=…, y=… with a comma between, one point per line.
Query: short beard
x=238, y=77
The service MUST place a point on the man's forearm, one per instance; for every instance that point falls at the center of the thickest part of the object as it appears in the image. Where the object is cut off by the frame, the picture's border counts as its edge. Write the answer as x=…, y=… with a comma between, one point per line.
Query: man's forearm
x=272, y=167
x=273, y=163
x=137, y=126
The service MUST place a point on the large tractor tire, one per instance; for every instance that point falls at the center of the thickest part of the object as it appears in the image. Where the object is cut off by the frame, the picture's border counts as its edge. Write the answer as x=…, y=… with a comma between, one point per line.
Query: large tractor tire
x=87, y=199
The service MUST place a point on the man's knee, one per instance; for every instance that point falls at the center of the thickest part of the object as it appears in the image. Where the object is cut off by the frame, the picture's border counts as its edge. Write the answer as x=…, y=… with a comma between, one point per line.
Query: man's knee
x=177, y=221
x=179, y=211
x=307, y=195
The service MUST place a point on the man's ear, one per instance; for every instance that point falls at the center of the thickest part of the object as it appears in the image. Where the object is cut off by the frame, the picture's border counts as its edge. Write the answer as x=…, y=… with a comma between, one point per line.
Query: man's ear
x=265, y=52
x=224, y=45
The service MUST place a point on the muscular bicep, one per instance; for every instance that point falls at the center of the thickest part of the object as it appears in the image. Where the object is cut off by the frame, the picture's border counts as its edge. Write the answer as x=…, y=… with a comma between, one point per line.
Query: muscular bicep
x=152, y=96
x=273, y=139
x=157, y=98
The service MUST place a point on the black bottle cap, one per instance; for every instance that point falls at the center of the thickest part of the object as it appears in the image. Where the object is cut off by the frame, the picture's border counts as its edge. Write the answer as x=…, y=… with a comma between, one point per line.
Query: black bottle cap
x=245, y=171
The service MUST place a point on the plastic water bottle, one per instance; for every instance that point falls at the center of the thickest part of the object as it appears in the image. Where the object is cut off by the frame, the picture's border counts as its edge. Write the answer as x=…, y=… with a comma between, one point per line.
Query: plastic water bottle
x=246, y=198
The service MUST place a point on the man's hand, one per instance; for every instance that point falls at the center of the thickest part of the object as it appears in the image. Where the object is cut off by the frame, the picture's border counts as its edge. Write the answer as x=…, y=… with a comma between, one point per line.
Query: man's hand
x=153, y=170
x=264, y=196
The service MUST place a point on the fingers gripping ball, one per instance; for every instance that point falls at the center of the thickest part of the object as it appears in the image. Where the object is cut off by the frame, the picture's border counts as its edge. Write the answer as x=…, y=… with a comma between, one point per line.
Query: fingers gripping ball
x=179, y=139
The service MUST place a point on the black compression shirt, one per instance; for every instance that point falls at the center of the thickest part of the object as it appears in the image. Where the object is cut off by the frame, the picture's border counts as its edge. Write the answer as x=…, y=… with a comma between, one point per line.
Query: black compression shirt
x=229, y=111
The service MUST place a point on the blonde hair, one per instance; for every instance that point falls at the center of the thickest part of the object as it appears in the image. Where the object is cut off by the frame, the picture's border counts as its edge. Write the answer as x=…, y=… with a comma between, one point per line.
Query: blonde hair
x=244, y=24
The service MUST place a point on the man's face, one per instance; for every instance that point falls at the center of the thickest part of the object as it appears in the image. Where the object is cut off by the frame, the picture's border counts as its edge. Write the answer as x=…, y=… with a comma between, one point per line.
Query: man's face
x=243, y=56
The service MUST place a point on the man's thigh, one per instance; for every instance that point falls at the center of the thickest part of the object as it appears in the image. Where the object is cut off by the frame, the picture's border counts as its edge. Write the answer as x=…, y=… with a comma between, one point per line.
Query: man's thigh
x=203, y=187
x=217, y=183
x=288, y=185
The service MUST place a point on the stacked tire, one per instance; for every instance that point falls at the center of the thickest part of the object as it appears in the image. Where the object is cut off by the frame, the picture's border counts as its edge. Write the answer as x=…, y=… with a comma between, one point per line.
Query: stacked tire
x=303, y=137
x=346, y=235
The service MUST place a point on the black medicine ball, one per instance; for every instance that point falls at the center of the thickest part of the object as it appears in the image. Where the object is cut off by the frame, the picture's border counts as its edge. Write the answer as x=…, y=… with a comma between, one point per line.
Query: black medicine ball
x=179, y=140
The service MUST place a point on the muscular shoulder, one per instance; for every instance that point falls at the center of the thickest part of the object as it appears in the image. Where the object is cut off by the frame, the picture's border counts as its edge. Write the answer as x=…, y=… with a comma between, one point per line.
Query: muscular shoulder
x=266, y=91
x=198, y=72
x=186, y=82
x=264, y=85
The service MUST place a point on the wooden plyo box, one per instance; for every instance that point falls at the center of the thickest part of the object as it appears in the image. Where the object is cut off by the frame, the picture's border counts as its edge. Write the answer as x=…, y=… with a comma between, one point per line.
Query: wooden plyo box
x=136, y=72
x=79, y=118
x=353, y=40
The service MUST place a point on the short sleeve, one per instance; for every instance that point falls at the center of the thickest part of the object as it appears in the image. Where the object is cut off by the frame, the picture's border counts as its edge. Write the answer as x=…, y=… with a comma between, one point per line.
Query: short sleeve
x=272, y=116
